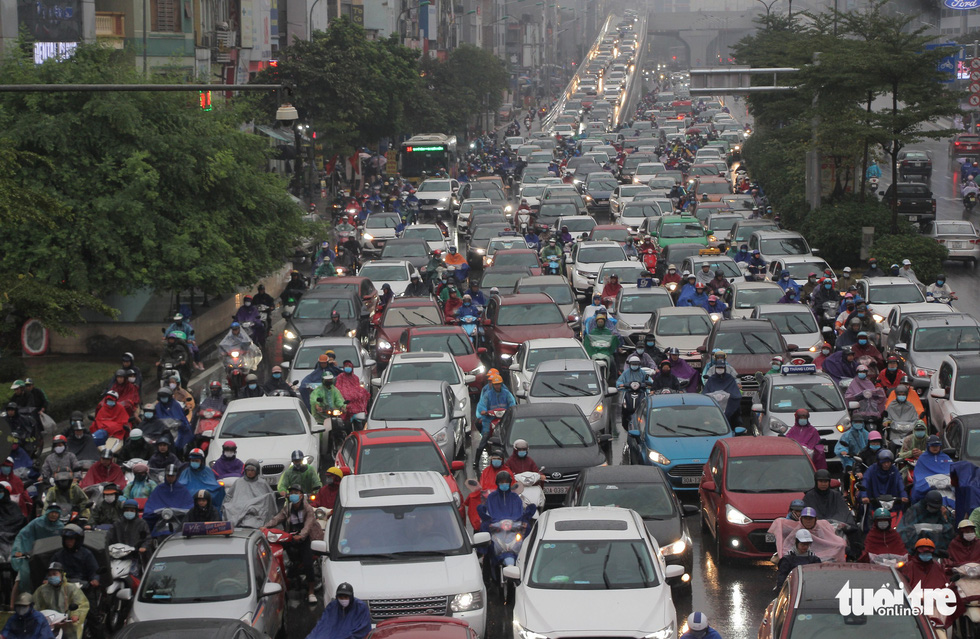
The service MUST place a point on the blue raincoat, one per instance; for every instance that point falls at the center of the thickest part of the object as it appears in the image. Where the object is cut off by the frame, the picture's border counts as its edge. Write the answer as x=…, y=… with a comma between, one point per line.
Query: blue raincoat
x=167, y=495
x=336, y=622
x=928, y=465
x=203, y=479
x=173, y=410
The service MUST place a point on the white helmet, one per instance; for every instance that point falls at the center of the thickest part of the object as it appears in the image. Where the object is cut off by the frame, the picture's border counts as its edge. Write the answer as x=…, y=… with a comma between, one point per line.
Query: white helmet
x=697, y=621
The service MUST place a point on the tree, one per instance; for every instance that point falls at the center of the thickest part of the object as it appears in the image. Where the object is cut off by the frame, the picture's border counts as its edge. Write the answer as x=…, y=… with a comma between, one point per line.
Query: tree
x=141, y=189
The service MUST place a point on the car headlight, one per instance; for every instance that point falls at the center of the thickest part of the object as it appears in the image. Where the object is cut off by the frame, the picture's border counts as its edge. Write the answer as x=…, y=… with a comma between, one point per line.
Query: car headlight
x=813, y=349
x=843, y=425
x=442, y=437
x=443, y=200
x=778, y=426
x=509, y=208
x=877, y=318
x=288, y=334
x=597, y=413
x=524, y=633
x=924, y=372
x=675, y=548
x=479, y=370
x=664, y=633
x=352, y=332
x=657, y=458
x=368, y=237
x=308, y=460
x=467, y=601
x=384, y=345
x=735, y=516
x=479, y=251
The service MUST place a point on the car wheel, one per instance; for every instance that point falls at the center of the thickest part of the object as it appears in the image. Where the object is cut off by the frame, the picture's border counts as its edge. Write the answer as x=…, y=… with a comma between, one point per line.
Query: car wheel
x=627, y=459
x=720, y=558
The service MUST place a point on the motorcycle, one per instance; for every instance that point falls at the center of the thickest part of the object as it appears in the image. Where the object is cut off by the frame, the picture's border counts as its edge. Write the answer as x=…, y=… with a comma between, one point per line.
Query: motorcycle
x=895, y=432
x=238, y=364
x=888, y=559
x=169, y=522
x=277, y=542
x=495, y=416
x=124, y=568
x=207, y=420
x=940, y=299
x=58, y=620
x=506, y=537
x=603, y=345
x=530, y=490
x=337, y=432
x=968, y=592
x=969, y=202
x=470, y=324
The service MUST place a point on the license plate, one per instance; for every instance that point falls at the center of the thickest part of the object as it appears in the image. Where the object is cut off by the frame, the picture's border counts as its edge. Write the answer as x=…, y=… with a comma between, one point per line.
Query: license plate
x=913, y=218
x=695, y=364
x=556, y=490
x=690, y=480
x=770, y=538
x=957, y=245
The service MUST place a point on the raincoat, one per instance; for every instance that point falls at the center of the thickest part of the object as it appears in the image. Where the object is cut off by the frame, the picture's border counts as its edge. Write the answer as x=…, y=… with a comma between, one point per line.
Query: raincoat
x=224, y=467
x=173, y=410
x=249, y=503
x=882, y=542
x=728, y=384
x=962, y=552
x=838, y=367
x=166, y=495
x=927, y=466
x=337, y=622
x=826, y=543
x=99, y=474
x=853, y=441
x=112, y=419
x=877, y=482
x=203, y=479
x=680, y=369
x=928, y=574
x=36, y=529
x=809, y=438
x=354, y=394
x=871, y=406
x=67, y=594
x=919, y=514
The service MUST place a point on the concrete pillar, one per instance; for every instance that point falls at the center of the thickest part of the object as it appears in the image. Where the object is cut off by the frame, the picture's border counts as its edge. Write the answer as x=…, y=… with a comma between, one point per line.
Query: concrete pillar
x=698, y=43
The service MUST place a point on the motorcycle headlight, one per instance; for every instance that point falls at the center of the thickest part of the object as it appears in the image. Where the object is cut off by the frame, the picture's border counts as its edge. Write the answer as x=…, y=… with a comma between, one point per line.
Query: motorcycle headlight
x=675, y=548
x=877, y=318
x=368, y=237
x=657, y=458
x=735, y=516
x=479, y=251
x=352, y=332
x=666, y=632
x=288, y=334
x=465, y=601
x=308, y=460
x=384, y=345
x=597, y=413
x=509, y=208
x=235, y=354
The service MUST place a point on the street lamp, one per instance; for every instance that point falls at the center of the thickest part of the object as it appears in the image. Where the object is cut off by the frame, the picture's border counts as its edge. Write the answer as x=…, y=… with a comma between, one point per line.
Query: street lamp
x=286, y=114
x=398, y=21
x=311, y=18
x=768, y=7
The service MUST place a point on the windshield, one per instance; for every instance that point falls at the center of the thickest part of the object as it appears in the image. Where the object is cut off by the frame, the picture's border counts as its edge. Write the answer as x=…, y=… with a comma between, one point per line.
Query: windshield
x=641, y=210
x=405, y=249
x=523, y=258
x=955, y=228
x=580, y=225
x=615, y=235
x=745, y=231
x=627, y=274
x=729, y=268
x=415, y=316
x=409, y=406
x=431, y=186
x=650, y=501
x=802, y=270
x=382, y=222
x=815, y=397
x=820, y=624
x=681, y=229
x=895, y=294
x=643, y=302
x=560, y=293
x=633, y=191
x=752, y=297
x=553, y=210
x=713, y=188
x=401, y=458
x=686, y=421
x=770, y=474
x=384, y=273
x=486, y=232
x=601, y=184
x=537, y=355
x=532, y=191
x=784, y=246
x=196, y=579
x=320, y=308
x=679, y=325
x=431, y=234
x=262, y=423
x=529, y=315
x=972, y=444
x=746, y=343
x=392, y=531
x=307, y=355
x=794, y=323
x=405, y=370
x=947, y=338
x=601, y=254
x=593, y=565
x=551, y=432
x=565, y=384
x=452, y=343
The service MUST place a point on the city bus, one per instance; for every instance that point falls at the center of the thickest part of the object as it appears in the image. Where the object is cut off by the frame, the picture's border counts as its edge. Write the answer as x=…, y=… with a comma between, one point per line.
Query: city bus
x=428, y=152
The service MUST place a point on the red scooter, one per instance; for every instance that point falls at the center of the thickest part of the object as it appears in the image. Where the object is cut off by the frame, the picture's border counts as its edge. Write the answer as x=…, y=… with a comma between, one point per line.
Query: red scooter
x=277, y=541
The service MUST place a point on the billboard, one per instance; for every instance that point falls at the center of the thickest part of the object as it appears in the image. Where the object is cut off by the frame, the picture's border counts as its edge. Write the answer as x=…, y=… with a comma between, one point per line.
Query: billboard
x=51, y=20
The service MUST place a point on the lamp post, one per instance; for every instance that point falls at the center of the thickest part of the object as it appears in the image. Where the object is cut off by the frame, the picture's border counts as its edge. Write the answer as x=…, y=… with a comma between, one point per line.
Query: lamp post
x=768, y=7
x=398, y=21
x=311, y=19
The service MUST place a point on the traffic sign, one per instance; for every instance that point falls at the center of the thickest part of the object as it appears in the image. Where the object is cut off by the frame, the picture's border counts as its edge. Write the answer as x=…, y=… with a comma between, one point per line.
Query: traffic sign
x=975, y=100
x=975, y=63
x=975, y=87
x=975, y=75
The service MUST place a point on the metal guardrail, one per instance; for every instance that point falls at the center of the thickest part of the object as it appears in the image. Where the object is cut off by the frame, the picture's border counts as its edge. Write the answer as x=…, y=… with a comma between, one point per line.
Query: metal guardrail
x=549, y=119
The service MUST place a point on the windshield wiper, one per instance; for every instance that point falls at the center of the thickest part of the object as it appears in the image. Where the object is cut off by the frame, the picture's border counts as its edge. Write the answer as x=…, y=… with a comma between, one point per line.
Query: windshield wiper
x=605, y=562
x=826, y=401
x=664, y=426
x=639, y=565
x=554, y=390
x=551, y=434
x=423, y=317
x=578, y=391
x=698, y=430
x=259, y=432
x=761, y=341
x=421, y=553
x=746, y=345
x=572, y=428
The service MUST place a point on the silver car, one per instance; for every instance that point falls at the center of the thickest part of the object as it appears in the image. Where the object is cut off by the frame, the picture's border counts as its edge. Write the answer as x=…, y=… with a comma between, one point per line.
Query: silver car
x=684, y=328
x=535, y=351
x=794, y=320
x=214, y=577
x=420, y=404
x=345, y=348
x=958, y=236
x=634, y=307
x=782, y=394
x=574, y=381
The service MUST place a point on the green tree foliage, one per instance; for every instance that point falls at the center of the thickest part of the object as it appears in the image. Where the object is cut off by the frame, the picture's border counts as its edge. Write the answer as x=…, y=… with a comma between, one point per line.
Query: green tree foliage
x=925, y=253
x=139, y=190
x=468, y=83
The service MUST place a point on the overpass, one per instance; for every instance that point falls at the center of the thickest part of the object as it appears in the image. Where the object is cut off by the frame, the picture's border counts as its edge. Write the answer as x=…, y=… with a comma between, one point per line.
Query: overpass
x=706, y=35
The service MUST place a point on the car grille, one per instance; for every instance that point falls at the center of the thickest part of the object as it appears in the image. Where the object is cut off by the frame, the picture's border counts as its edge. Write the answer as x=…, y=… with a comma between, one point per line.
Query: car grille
x=428, y=202
x=749, y=382
x=389, y=608
x=273, y=469
x=758, y=539
x=686, y=470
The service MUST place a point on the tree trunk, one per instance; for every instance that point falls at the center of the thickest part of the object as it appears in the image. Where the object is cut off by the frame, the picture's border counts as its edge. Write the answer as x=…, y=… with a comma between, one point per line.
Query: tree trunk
x=864, y=165
x=894, y=155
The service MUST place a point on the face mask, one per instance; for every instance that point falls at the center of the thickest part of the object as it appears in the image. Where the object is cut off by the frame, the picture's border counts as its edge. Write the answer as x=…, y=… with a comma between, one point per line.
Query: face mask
x=522, y=454
x=253, y=386
x=59, y=449
x=969, y=536
x=859, y=425
x=893, y=368
x=651, y=344
x=925, y=556
x=348, y=370
x=496, y=463
x=277, y=376
x=640, y=348
x=827, y=286
x=129, y=514
x=862, y=375
x=131, y=380
x=804, y=421
x=774, y=368
x=920, y=433
x=110, y=499
x=294, y=498
x=55, y=580
x=863, y=342
x=634, y=367
x=884, y=525
x=195, y=465
x=148, y=415
x=939, y=282
x=5, y=470
x=110, y=403
x=825, y=351
x=164, y=400
x=22, y=610
x=785, y=278
x=720, y=370
x=503, y=487
x=247, y=304
x=874, y=446
x=343, y=602
x=901, y=398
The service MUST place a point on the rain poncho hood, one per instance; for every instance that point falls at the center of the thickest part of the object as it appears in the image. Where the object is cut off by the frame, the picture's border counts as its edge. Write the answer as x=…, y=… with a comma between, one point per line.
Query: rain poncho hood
x=249, y=503
x=203, y=479
x=826, y=543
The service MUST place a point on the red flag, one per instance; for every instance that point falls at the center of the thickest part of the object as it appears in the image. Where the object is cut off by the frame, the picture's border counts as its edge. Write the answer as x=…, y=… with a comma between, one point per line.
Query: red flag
x=331, y=165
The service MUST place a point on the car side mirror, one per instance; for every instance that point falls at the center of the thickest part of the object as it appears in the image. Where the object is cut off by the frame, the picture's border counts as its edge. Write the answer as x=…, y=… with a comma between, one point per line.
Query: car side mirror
x=376, y=381
x=853, y=405
x=605, y=438
x=485, y=321
x=690, y=509
x=513, y=572
x=739, y=431
x=826, y=330
x=457, y=466
x=792, y=347
x=673, y=571
x=370, y=363
x=938, y=393
x=611, y=391
x=481, y=538
x=345, y=469
x=901, y=346
x=757, y=408
x=633, y=433
x=319, y=547
x=482, y=351
x=952, y=453
x=700, y=349
x=271, y=588
x=709, y=485
x=521, y=393
x=286, y=314
x=318, y=428
x=814, y=250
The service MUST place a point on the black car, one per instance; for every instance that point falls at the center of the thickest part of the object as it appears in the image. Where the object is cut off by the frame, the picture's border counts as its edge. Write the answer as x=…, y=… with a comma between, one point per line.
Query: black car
x=914, y=201
x=312, y=316
x=413, y=251
x=190, y=629
x=646, y=490
x=962, y=435
x=914, y=163
x=676, y=254
x=550, y=210
x=599, y=187
x=560, y=441
x=480, y=241
x=504, y=278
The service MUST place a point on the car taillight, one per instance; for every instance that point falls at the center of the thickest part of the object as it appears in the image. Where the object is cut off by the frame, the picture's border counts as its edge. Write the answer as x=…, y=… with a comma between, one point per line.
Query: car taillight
x=956, y=143
x=941, y=241
x=974, y=241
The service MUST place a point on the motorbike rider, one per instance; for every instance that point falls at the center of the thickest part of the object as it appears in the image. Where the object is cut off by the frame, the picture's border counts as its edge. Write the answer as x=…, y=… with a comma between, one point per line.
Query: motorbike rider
x=142, y=486
x=335, y=327
x=611, y=288
x=278, y=385
x=252, y=387
x=721, y=380
x=964, y=549
x=130, y=365
x=58, y=458
x=882, y=539
x=665, y=378
x=598, y=327
x=757, y=266
x=698, y=628
x=250, y=501
x=467, y=308
x=851, y=443
x=326, y=397
x=646, y=350
x=901, y=410
x=228, y=465
x=26, y=622
x=128, y=395
x=478, y=297
x=824, y=292
x=922, y=570
x=263, y=299
x=849, y=337
x=907, y=272
x=840, y=364
x=504, y=504
x=705, y=275
x=137, y=446
x=326, y=497
x=78, y=561
x=67, y=493
x=345, y=617
x=452, y=304
x=969, y=186
x=870, y=397
x=715, y=304
x=416, y=287
x=25, y=429
x=168, y=408
x=845, y=282
x=914, y=444
x=105, y=471
x=297, y=517
x=520, y=460
x=873, y=269
x=807, y=436
x=299, y=473
x=235, y=340
x=495, y=396
x=672, y=276
x=552, y=250
x=825, y=351
x=294, y=289
x=799, y=555
x=929, y=510
x=203, y=509
x=170, y=494
x=197, y=475
x=163, y=456
x=456, y=261
x=111, y=417
x=109, y=510
x=940, y=289
x=130, y=529
x=354, y=394
x=891, y=377
x=57, y=593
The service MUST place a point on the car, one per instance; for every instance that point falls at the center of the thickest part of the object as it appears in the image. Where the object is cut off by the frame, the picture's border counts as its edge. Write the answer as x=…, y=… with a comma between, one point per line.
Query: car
x=573, y=381
x=883, y=294
x=479, y=242
x=438, y=196
x=632, y=161
x=576, y=224
x=964, y=145
x=775, y=244
x=587, y=559
x=533, y=352
x=400, y=538
x=415, y=252
x=379, y=229
x=395, y=273
x=954, y=389
x=633, y=214
x=646, y=491
x=509, y=241
x=795, y=386
x=623, y=195
x=585, y=261
x=796, y=323
x=750, y=345
x=720, y=223
x=532, y=193
x=556, y=287
x=313, y=313
x=431, y=365
x=914, y=163
x=614, y=232
x=466, y=208
x=231, y=576
x=345, y=348
x=269, y=429
x=684, y=328
x=799, y=267
x=676, y=432
x=446, y=339
x=628, y=271
x=515, y=257
x=678, y=229
x=399, y=314
x=647, y=170
x=712, y=185
x=716, y=261
x=423, y=627
x=491, y=191
x=200, y=628
x=809, y=604
x=746, y=483
x=503, y=278
x=921, y=341
x=634, y=307
x=743, y=296
x=962, y=434
x=600, y=187
x=914, y=201
x=431, y=233
x=510, y=320
x=397, y=450
x=363, y=286
x=550, y=211
x=417, y=402
x=958, y=236
x=743, y=229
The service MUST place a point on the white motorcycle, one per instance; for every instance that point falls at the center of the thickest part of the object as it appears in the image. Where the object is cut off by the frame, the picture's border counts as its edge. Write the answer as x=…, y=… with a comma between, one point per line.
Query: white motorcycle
x=123, y=560
x=530, y=490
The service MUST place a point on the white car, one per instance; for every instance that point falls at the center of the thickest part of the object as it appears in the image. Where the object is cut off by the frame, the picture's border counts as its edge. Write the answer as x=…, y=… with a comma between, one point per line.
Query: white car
x=535, y=351
x=395, y=273
x=586, y=259
x=345, y=348
x=269, y=429
x=885, y=293
x=431, y=233
x=954, y=389
x=628, y=271
x=592, y=571
x=647, y=170
x=797, y=324
x=623, y=195
x=438, y=196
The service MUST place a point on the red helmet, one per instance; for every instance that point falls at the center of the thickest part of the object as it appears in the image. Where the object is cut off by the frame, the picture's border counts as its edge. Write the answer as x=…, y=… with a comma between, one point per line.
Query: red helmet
x=59, y=439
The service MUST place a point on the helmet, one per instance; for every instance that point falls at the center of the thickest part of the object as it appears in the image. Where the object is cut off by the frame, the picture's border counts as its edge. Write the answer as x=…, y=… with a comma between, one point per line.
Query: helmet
x=885, y=455
x=229, y=445
x=171, y=470
x=297, y=455
x=803, y=535
x=251, y=377
x=712, y=298
x=632, y=359
x=697, y=621
x=236, y=325
x=197, y=452
x=882, y=513
x=215, y=384
x=54, y=565
x=901, y=388
x=328, y=376
x=333, y=470
x=141, y=468
x=673, y=350
x=802, y=412
x=925, y=542
x=120, y=372
x=59, y=439
x=131, y=503
x=808, y=512
x=503, y=477
x=822, y=475
x=71, y=530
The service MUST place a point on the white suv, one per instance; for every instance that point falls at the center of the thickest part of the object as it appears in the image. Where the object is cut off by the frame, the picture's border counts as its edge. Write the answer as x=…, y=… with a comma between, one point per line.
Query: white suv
x=399, y=539
x=585, y=261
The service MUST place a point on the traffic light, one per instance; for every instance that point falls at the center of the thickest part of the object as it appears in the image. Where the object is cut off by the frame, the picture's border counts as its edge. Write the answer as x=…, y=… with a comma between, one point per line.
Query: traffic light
x=675, y=58
x=206, y=101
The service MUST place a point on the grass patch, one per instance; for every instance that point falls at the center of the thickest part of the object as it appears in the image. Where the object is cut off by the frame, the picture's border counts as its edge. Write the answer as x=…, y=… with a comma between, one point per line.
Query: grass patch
x=70, y=383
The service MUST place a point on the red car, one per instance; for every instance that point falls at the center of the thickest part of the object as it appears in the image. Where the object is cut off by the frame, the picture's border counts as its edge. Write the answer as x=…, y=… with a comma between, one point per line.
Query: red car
x=397, y=450
x=423, y=627
x=516, y=257
x=746, y=483
x=447, y=339
x=964, y=144
x=401, y=313
x=511, y=320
